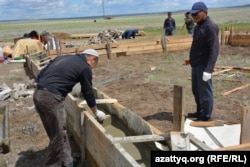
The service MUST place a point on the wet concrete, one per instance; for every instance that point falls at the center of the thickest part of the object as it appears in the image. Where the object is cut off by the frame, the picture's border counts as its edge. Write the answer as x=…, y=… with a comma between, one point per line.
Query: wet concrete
x=139, y=151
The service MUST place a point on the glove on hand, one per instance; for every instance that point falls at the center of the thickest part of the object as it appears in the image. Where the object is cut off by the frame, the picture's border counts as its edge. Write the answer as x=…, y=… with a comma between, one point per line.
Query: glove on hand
x=100, y=115
x=206, y=76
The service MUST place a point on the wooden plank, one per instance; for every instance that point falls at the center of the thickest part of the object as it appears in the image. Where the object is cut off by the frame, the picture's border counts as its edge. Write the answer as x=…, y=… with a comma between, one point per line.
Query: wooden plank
x=245, y=124
x=100, y=146
x=201, y=145
x=79, y=36
x=206, y=123
x=179, y=141
x=179, y=108
x=235, y=89
x=221, y=71
x=98, y=101
x=141, y=138
x=241, y=147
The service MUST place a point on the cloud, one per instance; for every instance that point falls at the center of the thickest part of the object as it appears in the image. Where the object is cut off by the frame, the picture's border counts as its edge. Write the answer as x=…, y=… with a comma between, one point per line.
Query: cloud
x=39, y=9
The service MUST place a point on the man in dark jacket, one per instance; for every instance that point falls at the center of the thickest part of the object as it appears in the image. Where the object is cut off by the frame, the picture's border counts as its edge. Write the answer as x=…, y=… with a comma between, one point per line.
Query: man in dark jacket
x=54, y=82
x=169, y=25
x=203, y=56
x=129, y=34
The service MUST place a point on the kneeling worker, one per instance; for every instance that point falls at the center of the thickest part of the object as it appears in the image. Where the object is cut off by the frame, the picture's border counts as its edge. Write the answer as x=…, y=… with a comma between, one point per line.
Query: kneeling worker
x=128, y=34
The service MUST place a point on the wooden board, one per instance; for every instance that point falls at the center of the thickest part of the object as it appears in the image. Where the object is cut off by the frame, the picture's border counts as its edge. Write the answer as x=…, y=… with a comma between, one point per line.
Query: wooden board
x=102, y=149
x=245, y=124
x=235, y=89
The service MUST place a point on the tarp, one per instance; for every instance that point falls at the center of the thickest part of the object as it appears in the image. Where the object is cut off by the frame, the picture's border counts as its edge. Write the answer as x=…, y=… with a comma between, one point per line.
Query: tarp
x=33, y=45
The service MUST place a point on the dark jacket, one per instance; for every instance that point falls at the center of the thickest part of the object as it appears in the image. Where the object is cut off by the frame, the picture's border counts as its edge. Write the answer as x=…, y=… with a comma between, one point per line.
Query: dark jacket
x=129, y=33
x=64, y=72
x=205, y=46
x=169, y=24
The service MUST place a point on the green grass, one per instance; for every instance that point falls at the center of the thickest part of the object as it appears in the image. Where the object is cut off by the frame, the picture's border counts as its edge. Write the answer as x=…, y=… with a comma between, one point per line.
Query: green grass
x=151, y=24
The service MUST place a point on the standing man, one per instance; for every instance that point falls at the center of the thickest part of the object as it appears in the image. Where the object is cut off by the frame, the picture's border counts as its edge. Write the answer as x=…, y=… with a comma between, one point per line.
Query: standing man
x=189, y=22
x=54, y=82
x=203, y=56
x=169, y=25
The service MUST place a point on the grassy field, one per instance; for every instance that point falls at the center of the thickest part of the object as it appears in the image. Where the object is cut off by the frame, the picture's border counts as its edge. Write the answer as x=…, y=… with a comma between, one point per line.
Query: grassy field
x=151, y=24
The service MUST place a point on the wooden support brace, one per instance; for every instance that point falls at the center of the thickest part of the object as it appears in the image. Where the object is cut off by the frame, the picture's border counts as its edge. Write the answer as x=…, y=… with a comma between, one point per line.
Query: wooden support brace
x=199, y=143
x=98, y=101
x=142, y=138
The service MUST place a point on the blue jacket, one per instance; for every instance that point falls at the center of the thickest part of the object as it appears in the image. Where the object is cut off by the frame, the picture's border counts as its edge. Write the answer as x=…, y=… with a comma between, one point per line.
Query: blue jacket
x=169, y=24
x=205, y=46
x=129, y=33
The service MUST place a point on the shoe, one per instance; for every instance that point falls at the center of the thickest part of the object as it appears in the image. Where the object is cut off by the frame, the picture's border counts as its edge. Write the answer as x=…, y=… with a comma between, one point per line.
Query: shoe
x=202, y=119
x=193, y=115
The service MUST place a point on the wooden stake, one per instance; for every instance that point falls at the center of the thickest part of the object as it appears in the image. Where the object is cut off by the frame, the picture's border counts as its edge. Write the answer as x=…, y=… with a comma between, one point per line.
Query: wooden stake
x=179, y=108
x=245, y=124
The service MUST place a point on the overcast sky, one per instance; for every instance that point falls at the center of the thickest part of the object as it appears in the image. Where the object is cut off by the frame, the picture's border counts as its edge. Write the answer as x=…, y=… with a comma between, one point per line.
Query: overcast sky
x=42, y=9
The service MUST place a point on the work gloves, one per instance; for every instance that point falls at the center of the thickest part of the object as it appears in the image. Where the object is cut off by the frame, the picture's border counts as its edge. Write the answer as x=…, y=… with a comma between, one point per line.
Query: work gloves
x=206, y=76
x=100, y=115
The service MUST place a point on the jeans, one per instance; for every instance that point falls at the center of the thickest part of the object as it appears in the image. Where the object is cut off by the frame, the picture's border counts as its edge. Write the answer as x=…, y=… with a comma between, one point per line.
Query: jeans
x=203, y=93
x=53, y=116
x=169, y=32
x=190, y=30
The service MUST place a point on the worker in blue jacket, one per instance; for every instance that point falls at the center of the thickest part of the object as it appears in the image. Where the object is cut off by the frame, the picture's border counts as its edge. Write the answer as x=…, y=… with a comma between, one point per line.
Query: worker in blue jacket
x=128, y=34
x=203, y=56
x=169, y=25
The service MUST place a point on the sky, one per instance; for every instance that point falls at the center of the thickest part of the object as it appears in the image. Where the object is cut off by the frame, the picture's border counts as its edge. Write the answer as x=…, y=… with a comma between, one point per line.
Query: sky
x=43, y=9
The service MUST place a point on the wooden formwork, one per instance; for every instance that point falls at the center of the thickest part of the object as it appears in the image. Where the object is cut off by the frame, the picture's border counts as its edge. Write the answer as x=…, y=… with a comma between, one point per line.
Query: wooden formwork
x=228, y=37
x=99, y=147
x=133, y=46
x=97, y=144
x=131, y=146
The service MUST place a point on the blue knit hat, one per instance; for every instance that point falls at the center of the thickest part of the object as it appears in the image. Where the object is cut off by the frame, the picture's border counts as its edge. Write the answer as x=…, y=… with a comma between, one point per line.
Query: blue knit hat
x=198, y=6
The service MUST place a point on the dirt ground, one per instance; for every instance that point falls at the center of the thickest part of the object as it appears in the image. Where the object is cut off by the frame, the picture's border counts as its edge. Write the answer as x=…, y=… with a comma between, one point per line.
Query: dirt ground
x=142, y=83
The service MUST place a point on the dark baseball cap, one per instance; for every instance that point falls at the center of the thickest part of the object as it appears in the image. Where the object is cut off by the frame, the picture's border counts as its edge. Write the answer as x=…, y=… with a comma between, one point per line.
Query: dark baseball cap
x=198, y=6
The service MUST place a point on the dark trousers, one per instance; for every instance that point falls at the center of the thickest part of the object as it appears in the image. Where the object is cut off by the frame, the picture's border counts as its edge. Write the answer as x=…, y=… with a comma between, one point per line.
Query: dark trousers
x=202, y=92
x=52, y=113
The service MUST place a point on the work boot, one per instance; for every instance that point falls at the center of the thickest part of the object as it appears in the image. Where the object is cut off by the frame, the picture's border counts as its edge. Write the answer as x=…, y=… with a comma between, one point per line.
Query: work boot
x=193, y=115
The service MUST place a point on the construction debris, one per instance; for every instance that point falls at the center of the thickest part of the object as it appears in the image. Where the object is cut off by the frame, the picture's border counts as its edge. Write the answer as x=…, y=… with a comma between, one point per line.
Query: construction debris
x=107, y=36
x=4, y=91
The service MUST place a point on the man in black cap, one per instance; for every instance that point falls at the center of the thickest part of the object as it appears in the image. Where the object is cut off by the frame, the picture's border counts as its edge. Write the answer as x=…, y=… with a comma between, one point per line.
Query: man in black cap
x=54, y=82
x=203, y=56
x=169, y=25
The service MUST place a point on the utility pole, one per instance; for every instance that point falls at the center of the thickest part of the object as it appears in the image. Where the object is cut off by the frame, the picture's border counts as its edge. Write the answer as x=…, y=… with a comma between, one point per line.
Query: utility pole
x=103, y=9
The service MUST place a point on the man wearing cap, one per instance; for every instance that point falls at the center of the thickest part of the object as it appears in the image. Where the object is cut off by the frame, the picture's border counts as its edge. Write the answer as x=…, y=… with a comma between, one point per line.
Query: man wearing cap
x=54, y=82
x=169, y=25
x=203, y=56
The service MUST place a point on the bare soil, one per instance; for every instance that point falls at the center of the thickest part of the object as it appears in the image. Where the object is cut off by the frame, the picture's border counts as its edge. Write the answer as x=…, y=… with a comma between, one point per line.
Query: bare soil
x=142, y=83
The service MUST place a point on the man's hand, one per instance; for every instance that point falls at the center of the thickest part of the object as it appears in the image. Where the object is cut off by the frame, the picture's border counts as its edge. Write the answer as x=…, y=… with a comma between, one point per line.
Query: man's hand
x=206, y=76
x=100, y=115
